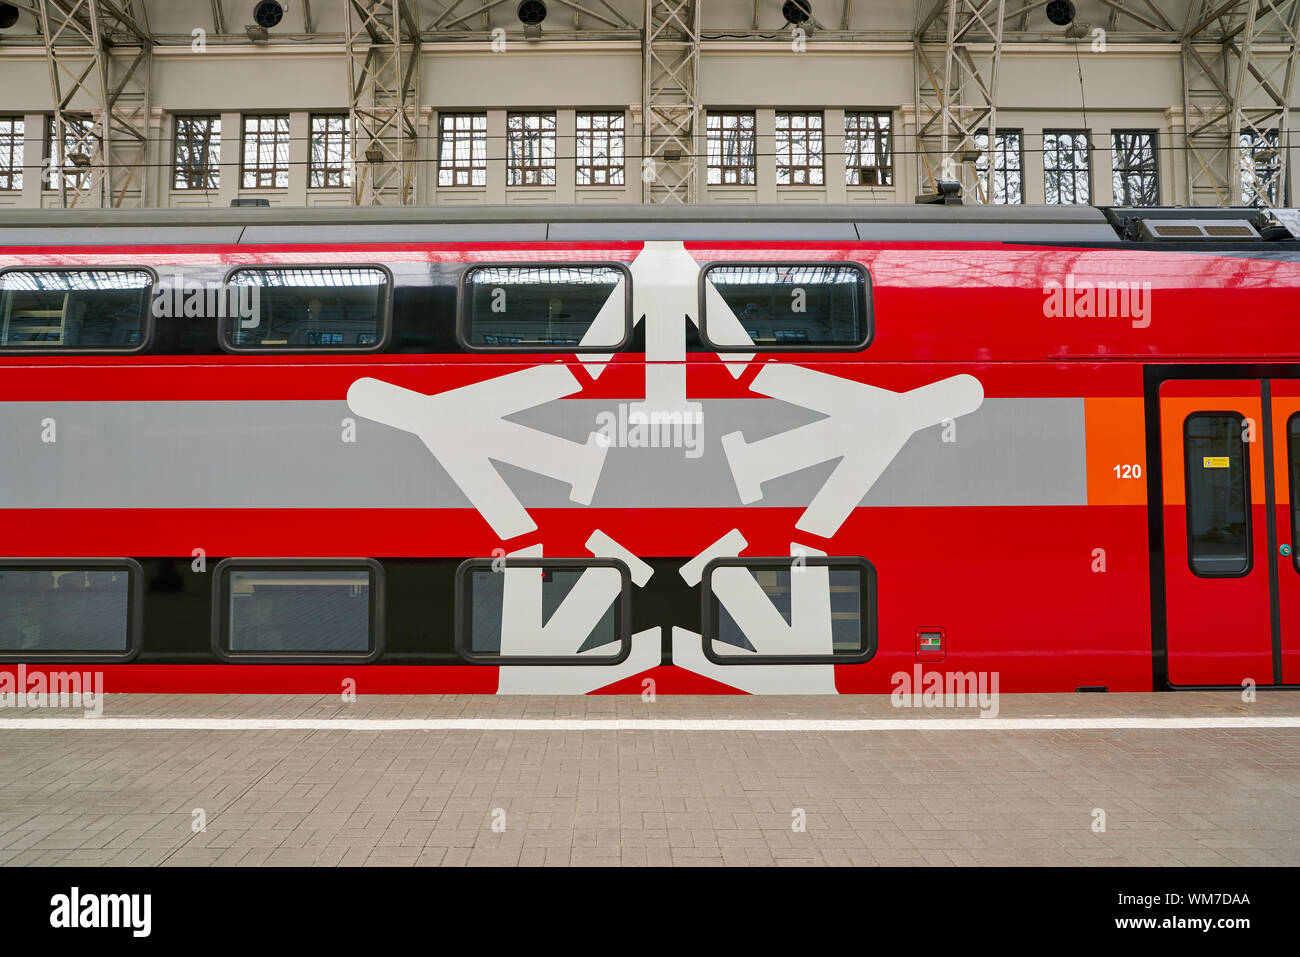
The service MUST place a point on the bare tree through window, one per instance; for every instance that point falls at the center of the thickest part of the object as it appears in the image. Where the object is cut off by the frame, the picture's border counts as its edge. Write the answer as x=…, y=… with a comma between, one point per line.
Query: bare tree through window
x=867, y=150
x=530, y=149
x=1135, y=174
x=730, y=148
x=197, y=156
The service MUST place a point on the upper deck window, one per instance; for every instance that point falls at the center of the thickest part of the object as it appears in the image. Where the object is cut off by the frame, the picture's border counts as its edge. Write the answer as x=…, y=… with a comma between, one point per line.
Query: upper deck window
x=786, y=306
x=298, y=308
x=64, y=310
x=556, y=308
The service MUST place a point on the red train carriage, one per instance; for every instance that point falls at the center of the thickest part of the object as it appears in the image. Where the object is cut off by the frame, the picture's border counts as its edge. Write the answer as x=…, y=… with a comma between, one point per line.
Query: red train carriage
x=575, y=450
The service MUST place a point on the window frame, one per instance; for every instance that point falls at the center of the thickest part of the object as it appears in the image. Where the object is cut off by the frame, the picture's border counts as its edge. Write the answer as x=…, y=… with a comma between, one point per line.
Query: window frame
x=210, y=170
x=1088, y=150
x=709, y=621
x=1019, y=133
x=722, y=166
x=464, y=598
x=605, y=135
x=884, y=140
x=257, y=170
x=221, y=619
x=386, y=314
x=347, y=169
x=1245, y=478
x=864, y=288
x=785, y=158
x=516, y=141
x=1124, y=171
x=17, y=147
x=134, y=613
x=69, y=177
x=464, y=303
x=146, y=320
x=451, y=136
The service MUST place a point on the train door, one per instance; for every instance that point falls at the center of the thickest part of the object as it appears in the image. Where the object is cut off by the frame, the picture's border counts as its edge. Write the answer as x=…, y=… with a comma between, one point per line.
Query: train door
x=1230, y=451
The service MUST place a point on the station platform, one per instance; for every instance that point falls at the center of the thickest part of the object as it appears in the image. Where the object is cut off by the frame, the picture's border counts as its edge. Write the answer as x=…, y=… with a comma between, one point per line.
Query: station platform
x=1198, y=778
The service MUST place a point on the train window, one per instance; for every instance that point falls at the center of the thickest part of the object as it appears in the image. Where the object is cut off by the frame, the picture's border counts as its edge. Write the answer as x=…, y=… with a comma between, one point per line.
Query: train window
x=546, y=308
x=802, y=610
x=308, y=308
x=84, y=608
x=1218, y=495
x=772, y=307
x=268, y=609
x=74, y=310
x=1293, y=463
x=543, y=611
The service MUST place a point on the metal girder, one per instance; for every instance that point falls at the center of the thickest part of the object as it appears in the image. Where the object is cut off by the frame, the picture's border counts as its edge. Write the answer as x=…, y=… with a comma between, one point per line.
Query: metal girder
x=100, y=57
x=956, y=80
x=383, y=52
x=1236, y=97
x=670, y=101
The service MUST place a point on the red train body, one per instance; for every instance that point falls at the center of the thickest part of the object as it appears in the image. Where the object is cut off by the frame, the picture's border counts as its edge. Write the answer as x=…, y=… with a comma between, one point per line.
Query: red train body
x=1028, y=471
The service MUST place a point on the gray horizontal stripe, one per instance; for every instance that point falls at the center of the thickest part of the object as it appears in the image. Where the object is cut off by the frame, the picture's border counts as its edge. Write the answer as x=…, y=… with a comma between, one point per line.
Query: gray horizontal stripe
x=289, y=454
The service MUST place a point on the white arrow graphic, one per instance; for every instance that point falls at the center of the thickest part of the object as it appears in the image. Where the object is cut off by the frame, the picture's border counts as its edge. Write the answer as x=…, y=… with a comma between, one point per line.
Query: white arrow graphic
x=466, y=430
x=523, y=634
x=665, y=292
x=807, y=633
x=809, y=630
x=865, y=428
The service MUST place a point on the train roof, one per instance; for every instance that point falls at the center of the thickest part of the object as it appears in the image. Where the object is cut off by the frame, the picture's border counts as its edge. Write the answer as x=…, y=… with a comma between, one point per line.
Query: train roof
x=556, y=223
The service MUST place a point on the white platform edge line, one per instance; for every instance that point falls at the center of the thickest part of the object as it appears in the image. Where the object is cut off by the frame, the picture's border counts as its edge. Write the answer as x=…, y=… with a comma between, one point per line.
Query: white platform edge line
x=866, y=725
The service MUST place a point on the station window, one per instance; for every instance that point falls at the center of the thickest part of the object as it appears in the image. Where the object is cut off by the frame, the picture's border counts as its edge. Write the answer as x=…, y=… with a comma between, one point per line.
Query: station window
x=307, y=308
x=555, y=308
x=267, y=608
x=462, y=149
x=800, y=154
x=530, y=149
x=81, y=607
x=197, y=153
x=1135, y=172
x=543, y=611
x=1066, y=169
x=730, y=145
x=600, y=144
x=74, y=156
x=12, y=131
x=868, y=150
x=1261, y=167
x=266, y=152
x=331, y=152
x=1008, y=164
x=805, y=610
x=1218, y=495
x=786, y=306
x=64, y=310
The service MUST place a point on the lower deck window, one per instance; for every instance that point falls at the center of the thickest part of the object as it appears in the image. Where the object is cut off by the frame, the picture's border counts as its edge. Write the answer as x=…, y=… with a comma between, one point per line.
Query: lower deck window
x=295, y=610
x=66, y=608
x=795, y=610
x=548, y=611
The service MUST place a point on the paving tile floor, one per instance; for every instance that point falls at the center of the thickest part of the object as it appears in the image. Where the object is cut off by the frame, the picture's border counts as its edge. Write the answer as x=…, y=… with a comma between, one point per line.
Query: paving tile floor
x=602, y=797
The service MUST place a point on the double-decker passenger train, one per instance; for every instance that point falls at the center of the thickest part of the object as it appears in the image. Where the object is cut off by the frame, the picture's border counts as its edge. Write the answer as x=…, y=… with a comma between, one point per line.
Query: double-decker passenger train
x=611, y=449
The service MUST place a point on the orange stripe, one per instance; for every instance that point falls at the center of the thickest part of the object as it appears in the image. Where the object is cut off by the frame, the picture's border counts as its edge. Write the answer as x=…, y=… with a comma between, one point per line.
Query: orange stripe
x=1116, y=435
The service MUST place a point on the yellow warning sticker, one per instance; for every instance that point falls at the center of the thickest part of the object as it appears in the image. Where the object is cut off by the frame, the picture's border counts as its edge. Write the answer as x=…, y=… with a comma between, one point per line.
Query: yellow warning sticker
x=1215, y=462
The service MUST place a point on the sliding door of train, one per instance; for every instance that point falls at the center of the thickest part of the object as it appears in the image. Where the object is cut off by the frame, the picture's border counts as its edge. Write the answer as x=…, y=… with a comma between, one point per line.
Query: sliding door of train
x=1230, y=452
